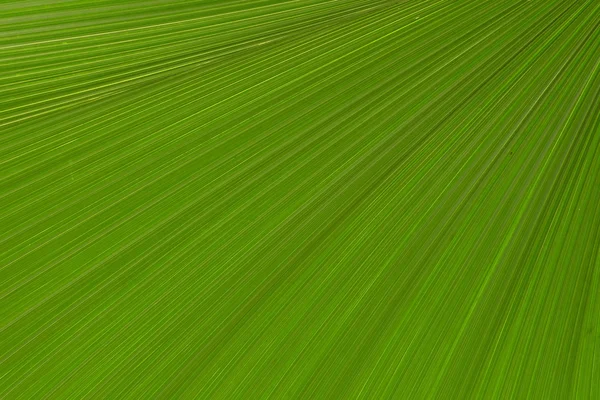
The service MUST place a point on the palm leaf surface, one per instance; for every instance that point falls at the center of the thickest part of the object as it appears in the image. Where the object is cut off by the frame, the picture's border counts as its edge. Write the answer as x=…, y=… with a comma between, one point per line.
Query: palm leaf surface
x=305, y=199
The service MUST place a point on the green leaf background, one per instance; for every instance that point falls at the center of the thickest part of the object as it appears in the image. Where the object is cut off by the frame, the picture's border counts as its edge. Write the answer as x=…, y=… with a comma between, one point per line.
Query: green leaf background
x=307, y=199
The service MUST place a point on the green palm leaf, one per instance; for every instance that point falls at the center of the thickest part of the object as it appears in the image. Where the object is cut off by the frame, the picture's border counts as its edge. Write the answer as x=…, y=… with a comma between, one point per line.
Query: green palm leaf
x=300, y=199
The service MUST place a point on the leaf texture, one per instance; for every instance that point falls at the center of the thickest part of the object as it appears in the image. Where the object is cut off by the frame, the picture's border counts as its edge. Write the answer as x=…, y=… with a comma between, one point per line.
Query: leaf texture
x=300, y=199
